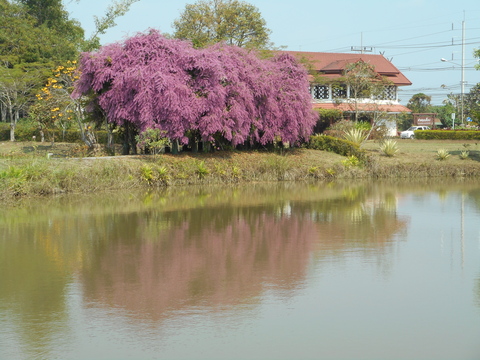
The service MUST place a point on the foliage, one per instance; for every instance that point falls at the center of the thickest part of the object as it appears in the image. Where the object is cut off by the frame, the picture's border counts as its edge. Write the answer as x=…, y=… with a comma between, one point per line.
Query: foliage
x=351, y=161
x=36, y=31
x=17, y=85
x=389, y=147
x=364, y=82
x=444, y=113
x=336, y=145
x=404, y=121
x=447, y=135
x=152, y=140
x=201, y=170
x=442, y=154
x=54, y=107
x=231, y=21
x=327, y=117
x=472, y=103
x=150, y=81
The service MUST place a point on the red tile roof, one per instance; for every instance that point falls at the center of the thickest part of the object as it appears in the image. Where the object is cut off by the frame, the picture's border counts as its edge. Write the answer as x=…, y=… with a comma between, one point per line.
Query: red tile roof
x=394, y=108
x=333, y=64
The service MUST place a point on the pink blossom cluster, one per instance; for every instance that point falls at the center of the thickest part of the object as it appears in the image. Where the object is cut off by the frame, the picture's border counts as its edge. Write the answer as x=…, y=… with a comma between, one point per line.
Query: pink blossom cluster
x=154, y=82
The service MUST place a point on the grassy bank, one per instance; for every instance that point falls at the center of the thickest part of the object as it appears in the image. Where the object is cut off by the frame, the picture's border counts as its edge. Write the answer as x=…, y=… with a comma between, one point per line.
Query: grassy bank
x=30, y=169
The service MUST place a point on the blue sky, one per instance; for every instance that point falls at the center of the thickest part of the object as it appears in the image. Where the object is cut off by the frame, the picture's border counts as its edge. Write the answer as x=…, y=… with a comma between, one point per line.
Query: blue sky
x=414, y=34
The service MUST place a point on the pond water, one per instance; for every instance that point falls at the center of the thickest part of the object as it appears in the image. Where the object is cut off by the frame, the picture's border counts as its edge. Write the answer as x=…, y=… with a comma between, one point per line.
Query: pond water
x=283, y=271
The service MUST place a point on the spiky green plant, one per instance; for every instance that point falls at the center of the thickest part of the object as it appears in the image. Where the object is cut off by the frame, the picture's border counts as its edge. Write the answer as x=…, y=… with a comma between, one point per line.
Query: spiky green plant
x=442, y=154
x=351, y=161
x=389, y=147
x=464, y=155
x=356, y=136
x=202, y=170
x=147, y=173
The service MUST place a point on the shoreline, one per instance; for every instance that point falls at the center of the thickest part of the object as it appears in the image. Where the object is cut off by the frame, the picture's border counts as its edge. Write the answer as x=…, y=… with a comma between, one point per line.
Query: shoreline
x=31, y=174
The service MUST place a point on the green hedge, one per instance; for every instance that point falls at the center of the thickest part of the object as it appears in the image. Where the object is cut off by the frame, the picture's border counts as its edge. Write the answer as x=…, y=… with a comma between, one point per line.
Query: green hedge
x=25, y=132
x=448, y=135
x=336, y=145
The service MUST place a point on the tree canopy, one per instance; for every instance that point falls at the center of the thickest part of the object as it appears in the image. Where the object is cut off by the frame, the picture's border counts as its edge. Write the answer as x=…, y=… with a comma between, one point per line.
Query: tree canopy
x=232, y=21
x=154, y=82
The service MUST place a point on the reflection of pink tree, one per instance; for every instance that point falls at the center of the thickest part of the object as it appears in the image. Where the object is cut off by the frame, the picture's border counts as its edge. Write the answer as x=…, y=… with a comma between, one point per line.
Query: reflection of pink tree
x=215, y=265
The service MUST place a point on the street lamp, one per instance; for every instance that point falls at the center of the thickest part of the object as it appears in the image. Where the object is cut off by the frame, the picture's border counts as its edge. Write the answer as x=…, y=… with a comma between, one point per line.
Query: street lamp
x=462, y=83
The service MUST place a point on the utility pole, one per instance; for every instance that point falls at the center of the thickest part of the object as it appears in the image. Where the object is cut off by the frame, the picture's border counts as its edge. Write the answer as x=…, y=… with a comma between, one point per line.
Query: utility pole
x=463, y=66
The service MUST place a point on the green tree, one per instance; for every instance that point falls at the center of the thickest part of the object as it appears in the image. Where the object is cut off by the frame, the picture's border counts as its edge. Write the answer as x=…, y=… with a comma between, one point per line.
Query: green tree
x=35, y=37
x=17, y=86
x=420, y=103
x=472, y=103
x=445, y=112
x=232, y=21
x=66, y=33
x=476, y=53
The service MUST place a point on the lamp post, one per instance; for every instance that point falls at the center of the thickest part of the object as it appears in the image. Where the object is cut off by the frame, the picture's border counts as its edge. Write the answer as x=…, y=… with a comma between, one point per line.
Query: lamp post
x=462, y=67
x=462, y=85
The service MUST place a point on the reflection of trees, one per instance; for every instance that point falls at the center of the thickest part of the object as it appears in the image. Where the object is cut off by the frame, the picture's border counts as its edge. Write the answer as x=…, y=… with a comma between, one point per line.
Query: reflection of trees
x=156, y=253
x=477, y=292
x=32, y=289
x=473, y=198
x=220, y=256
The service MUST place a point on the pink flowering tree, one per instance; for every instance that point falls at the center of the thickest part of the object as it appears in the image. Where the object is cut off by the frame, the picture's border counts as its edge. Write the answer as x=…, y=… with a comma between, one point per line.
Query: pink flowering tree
x=149, y=81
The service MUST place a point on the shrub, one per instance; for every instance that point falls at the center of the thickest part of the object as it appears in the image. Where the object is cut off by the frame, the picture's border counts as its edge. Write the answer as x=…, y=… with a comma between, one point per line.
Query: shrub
x=147, y=174
x=351, y=161
x=336, y=145
x=448, y=135
x=202, y=170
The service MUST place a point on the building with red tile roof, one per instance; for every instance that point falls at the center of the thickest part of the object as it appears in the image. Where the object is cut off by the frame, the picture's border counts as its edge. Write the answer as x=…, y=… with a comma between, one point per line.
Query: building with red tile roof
x=329, y=92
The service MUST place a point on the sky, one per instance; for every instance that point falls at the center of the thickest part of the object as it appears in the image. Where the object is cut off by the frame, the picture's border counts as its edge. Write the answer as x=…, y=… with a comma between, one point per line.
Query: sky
x=413, y=34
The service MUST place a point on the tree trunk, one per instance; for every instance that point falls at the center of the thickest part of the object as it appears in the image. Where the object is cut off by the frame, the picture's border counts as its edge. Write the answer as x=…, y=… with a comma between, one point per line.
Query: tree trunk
x=110, y=140
x=12, y=130
x=129, y=143
x=175, y=147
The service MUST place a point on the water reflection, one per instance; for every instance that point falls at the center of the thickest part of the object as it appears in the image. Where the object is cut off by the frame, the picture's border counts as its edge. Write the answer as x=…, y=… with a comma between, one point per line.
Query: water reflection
x=157, y=255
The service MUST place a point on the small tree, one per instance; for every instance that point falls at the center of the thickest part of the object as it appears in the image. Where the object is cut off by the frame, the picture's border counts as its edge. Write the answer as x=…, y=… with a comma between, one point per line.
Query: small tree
x=16, y=88
x=366, y=87
x=56, y=108
x=420, y=103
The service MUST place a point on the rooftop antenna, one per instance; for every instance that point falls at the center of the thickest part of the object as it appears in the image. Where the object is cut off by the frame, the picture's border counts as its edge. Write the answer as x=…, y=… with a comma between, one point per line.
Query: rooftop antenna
x=362, y=49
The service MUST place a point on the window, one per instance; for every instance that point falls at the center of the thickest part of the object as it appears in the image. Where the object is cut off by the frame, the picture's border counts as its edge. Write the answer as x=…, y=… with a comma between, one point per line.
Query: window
x=320, y=92
x=390, y=92
x=339, y=91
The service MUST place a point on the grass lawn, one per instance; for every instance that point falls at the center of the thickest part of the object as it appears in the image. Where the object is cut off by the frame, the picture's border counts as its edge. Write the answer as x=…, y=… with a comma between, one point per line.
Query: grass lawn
x=421, y=150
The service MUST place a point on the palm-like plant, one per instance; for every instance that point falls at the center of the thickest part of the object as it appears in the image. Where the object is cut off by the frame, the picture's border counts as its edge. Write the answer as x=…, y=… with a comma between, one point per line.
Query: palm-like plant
x=443, y=154
x=389, y=147
x=356, y=136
